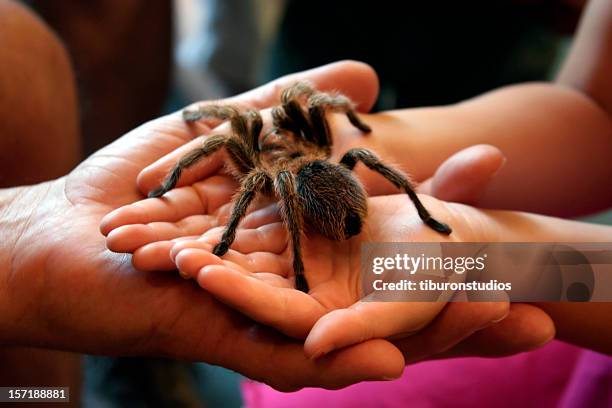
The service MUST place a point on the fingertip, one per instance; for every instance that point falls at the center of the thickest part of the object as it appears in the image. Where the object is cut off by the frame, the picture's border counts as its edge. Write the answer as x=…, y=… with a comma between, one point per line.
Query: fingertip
x=499, y=311
x=537, y=326
x=316, y=346
x=394, y=361
x=362, y=81
x=465, y=175
x=119, y=217
x=191, y=261
x=179, y=246
x=490, y=158
x=381, y=361
x=128, y=238
x=338, y=328
x=150, y=178
x=106, y=223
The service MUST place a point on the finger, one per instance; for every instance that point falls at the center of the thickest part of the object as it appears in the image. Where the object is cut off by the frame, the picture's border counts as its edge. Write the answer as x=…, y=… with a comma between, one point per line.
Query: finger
x=464, y=176
x=285, y=309
x=526, y=328
x=457, y=321
x=356, y=80
x=197, y=254
x=267, y=215
x=367, y=320
x=202, y=198
x=289, y=370
x=129, y=238
x=156, y=255
x=271, y=238
x=267, y=238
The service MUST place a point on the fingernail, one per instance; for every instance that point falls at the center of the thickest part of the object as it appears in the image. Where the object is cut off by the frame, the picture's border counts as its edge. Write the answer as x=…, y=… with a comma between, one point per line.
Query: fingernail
x=501, y=166
x=500, y=319
x=184, y=275
x=319, y=354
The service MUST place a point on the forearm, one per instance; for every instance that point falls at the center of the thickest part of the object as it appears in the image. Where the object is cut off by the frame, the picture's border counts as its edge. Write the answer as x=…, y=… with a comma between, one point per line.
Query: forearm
x=556, y=140
x=583, y=324
x=589, y=63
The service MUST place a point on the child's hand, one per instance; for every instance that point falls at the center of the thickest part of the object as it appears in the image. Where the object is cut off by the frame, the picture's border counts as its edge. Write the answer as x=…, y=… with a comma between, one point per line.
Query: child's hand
x=255, y=277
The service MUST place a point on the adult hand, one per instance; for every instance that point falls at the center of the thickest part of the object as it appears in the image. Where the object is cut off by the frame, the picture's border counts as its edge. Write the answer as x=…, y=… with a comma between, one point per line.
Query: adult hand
x=62, y=288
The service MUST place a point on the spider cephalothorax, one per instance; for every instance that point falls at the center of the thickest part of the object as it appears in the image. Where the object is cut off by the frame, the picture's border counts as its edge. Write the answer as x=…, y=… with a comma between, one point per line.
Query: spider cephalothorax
x=291, y=162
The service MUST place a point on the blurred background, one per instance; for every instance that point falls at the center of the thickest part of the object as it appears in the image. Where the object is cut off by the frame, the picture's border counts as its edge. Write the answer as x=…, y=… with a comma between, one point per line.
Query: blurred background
x=135, y=60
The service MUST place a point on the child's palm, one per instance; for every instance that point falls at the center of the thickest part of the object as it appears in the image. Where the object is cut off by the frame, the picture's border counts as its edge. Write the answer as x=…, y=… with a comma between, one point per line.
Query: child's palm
x=255, y=277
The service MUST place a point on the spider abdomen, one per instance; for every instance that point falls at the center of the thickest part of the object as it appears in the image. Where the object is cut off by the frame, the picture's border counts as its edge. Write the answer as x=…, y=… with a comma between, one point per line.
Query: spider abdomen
x=333, y=201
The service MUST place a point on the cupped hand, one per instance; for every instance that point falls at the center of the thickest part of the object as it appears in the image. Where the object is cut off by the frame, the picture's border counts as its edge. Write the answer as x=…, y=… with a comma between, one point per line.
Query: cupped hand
x=256, y=276
x=67, y=290
x=255, y=279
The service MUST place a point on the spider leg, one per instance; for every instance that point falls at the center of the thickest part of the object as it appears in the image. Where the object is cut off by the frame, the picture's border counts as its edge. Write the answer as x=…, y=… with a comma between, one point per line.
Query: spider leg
x=281, y=120
x=320, y=127
x=290, y=101
x=251, y=185
x=236, y=151
x=294, y=111
x=318, y=103
x=256, y=123
x=351, y=158
x=242, y=124
x=292, y=215
x=297, y=90
x=292, y=115
x=214, y=111
x=210, y=145
x=339, y=103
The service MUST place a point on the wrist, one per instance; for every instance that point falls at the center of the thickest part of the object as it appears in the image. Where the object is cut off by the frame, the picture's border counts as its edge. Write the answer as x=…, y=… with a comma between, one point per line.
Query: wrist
x=515, y=226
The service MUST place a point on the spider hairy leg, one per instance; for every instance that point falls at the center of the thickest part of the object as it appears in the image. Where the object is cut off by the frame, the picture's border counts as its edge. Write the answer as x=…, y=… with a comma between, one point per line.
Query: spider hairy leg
x=339, y=103
x=210, y=145
x=282, y=121
x=246, y=125
x=291, y=211
x=238, y=153
x=256, y=125
x=222, y=112
x=251, y=185
x=368, y=158
x=297, y=90
x=292, y=116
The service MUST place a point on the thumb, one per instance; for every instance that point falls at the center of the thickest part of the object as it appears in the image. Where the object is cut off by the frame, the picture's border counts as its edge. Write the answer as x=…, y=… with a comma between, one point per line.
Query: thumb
x=464, y=176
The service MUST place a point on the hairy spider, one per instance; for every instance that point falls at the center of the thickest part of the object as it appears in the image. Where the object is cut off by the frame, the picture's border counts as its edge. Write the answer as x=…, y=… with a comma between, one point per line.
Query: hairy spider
x=291, y=162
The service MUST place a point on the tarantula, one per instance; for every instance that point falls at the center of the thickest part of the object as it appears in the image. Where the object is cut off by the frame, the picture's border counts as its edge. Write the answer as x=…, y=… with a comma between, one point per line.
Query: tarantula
x=291, y=162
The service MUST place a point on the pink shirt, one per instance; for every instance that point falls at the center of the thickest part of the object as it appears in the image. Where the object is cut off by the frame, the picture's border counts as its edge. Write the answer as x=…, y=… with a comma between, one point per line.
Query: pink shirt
x=557, y=375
